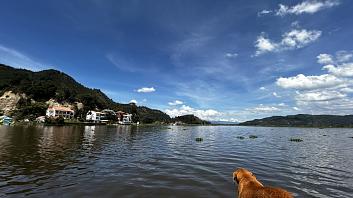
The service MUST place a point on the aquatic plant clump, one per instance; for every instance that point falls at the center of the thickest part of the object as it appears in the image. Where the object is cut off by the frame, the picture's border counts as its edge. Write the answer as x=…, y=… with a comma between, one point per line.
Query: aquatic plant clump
x=252, y=136
x=240, y=137
x=296, y=140
x=199, y=139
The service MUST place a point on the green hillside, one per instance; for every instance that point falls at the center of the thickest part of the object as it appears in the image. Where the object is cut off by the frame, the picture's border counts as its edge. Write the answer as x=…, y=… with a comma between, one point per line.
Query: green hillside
x=52, y=84
x=303, y=120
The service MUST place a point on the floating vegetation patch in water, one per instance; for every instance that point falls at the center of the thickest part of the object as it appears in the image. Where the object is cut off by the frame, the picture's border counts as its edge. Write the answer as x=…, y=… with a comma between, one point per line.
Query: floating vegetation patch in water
x=240, y=137
x=252, y=136
x=296, y=140
x=199, y=139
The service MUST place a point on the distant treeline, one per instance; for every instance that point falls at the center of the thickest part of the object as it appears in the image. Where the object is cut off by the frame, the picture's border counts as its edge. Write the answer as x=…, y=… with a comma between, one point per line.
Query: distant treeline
x=303, y=120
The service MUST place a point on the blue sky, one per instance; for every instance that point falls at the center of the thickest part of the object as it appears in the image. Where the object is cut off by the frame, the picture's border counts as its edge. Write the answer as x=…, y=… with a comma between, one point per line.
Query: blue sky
x=221, y=60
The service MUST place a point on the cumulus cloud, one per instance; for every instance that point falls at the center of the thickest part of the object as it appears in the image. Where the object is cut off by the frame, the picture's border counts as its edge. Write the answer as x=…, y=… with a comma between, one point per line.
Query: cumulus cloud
x=306, y=7
x=208, y=114
x=290, y=40
x=327, y=93
x=262, y=88
x=264, y=45
x=344, y=70
x=299, y=38
x=176, y=102
x=324, y=59
x=146, y=90
x=338, y=58
x=302, y=82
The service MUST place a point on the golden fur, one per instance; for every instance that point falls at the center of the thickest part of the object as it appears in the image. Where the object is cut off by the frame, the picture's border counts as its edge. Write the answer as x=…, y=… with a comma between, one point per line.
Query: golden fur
x=249, y=187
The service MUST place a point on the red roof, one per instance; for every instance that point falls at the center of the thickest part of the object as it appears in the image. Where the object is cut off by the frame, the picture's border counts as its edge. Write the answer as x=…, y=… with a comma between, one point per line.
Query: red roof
x=58, y=108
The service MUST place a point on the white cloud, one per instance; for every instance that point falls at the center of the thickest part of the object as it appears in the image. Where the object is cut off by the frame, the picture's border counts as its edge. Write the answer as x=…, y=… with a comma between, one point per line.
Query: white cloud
x=282, y=104
x=133, y=101
x=264, y=45
x=276, y=95
x=208, y=114
x=299, y=38
x=176, y=102
x=309, y=7
x=146, y=90
x=343, y=56
x=340, y=57
x=231, y=55
x=264, y=12
x=344, y=70
x=290, y=40
x=323, y=95
x=324, y=59
x=308, y=82
x=263, y=108
x=295, y=24
x=347, y=90
x=262, y=88
x=296, y=108
x=229, y=120
x=15, y=58
x=329, y=93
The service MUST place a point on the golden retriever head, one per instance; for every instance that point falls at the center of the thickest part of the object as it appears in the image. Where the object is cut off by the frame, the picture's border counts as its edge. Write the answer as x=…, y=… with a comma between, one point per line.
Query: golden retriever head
x=242, y=173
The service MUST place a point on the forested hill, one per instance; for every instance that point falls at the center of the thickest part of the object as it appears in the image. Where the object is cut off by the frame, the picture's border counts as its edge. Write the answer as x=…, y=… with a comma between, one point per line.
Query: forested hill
x=190, y=119
x=41, y=86
x=303, y=120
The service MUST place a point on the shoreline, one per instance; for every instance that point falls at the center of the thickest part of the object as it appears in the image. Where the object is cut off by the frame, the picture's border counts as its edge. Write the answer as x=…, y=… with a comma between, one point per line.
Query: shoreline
x=165, y=124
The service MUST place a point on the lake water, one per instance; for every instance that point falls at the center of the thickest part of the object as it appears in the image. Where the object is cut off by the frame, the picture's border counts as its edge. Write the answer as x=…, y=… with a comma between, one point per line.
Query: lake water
x=126, y=161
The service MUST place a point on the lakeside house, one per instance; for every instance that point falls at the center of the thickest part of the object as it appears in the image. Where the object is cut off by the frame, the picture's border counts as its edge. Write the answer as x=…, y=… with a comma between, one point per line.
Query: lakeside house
x=107, y=115
x=124, y=118
x=40, y=119
x=60, y=111
x=5, y=120
x=96, y=116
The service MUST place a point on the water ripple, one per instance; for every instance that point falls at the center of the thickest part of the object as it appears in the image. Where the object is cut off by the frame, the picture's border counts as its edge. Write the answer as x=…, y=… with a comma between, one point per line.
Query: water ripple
x=126, y=161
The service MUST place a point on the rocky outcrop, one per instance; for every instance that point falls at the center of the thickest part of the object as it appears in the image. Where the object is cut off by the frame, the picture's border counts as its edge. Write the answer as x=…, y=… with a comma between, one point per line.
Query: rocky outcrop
x=9, y=100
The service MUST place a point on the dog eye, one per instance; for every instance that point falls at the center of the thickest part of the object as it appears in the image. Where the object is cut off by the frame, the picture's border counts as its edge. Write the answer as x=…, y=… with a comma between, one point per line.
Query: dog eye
x=235, y=180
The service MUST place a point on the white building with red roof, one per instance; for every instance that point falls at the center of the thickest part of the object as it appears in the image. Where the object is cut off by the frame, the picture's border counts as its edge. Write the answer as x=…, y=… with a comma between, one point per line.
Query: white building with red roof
x=57, y=111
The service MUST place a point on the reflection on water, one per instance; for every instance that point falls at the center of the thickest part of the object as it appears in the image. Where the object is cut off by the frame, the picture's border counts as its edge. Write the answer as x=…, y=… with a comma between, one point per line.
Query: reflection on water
x=126, y=161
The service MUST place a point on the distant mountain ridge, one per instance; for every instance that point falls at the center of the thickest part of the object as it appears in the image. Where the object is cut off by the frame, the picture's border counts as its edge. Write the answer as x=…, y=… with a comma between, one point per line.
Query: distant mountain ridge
x=42, y=86
x=303, y=120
